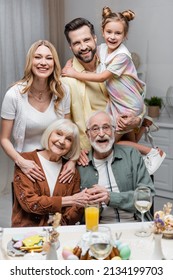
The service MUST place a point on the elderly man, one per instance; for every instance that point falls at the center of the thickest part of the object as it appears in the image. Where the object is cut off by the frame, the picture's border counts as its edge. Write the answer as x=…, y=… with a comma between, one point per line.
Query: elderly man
x=114, y=171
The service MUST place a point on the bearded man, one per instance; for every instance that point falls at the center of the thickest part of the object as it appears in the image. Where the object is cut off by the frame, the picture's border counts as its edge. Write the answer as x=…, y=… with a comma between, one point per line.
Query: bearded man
x=113, y=173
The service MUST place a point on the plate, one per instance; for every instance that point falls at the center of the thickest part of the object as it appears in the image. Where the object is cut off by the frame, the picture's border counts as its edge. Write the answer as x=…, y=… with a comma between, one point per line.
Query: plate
x=25, y=245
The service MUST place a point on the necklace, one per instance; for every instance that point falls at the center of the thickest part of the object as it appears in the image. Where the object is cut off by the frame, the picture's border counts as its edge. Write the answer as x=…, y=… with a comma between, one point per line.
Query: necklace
x=40, y=100
x=39, y=95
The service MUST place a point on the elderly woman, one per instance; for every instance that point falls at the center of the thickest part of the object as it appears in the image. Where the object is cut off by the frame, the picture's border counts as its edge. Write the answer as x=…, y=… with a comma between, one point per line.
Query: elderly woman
x=35, y=202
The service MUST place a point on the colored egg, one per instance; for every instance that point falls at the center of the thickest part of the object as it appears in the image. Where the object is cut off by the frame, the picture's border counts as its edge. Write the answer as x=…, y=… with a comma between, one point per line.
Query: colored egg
x=72, y=257
x=116, y=258
x=68, y=248
x=66, y=253
x=125, y=252
x=18, y=244
x=122, y=245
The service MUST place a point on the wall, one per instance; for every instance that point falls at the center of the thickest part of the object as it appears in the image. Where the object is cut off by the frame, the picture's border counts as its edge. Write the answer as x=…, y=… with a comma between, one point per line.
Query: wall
x=149, y=35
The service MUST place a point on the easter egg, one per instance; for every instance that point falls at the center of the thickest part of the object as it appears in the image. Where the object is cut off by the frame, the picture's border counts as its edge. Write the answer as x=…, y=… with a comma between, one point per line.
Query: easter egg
x=125, y=252
x=18, y=244
x=116, y=258
x=66, y=253
x=68, y=248
x=121, y=245
x=72, y=257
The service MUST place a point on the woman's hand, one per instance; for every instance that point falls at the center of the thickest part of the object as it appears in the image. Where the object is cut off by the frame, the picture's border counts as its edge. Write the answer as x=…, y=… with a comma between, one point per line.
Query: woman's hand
x=83, y=158
x=68, y=172
x=98, y=194
x=31, y=170
x=82, y=198
x=28, y=167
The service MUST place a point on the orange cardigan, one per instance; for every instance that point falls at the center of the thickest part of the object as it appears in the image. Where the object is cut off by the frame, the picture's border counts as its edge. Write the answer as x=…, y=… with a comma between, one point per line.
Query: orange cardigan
x=33, y=203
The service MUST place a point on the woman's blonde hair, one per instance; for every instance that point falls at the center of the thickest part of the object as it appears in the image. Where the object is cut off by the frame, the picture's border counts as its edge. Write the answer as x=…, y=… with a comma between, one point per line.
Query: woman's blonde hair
x=54, y=83
x=68, y=126
x=124, y=17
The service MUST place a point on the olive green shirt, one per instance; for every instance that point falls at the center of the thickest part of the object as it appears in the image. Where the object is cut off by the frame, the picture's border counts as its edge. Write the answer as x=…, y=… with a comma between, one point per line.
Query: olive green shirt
x=130, y=172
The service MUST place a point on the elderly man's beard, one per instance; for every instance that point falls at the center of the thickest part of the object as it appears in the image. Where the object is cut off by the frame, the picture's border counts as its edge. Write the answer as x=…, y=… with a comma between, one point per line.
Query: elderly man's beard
x=106, y=148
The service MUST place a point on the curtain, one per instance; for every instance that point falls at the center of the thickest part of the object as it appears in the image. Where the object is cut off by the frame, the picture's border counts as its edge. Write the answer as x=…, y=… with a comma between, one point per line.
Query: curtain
x=23, y=22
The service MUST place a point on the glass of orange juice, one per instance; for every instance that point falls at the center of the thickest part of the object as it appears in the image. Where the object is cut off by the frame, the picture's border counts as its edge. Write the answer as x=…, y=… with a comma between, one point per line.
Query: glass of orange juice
x=92, y=217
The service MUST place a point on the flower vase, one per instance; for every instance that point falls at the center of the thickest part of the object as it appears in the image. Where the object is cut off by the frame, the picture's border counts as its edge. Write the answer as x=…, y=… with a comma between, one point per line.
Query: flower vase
x=52, y=253
x=157, y=249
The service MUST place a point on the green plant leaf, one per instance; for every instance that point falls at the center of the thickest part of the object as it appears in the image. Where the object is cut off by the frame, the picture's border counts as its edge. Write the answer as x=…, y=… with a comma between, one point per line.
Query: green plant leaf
x=153, y=101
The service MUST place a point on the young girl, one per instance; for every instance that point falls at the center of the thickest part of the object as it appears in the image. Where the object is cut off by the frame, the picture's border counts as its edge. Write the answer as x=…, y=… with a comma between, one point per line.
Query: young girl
x=117, y=70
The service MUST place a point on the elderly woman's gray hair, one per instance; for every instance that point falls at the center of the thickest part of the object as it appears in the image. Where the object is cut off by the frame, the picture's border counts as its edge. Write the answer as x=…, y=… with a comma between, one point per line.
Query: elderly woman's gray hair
x=69, y=127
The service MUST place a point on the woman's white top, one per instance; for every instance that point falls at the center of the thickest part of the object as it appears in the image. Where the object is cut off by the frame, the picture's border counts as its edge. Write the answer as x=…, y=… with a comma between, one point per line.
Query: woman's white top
x=30, y=123
x=51, y=170
x=36, y=123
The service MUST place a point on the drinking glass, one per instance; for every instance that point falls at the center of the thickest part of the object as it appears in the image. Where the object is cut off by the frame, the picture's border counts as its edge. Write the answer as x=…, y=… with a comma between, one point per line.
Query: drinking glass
x=92, y=217
x=142, y=202
x=101, y=242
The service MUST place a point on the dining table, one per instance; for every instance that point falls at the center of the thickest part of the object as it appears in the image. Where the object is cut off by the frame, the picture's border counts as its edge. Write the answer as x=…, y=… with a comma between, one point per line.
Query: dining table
x=69, y=237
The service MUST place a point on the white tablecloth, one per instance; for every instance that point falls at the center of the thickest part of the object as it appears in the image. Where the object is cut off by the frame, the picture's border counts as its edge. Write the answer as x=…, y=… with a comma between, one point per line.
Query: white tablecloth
x=141, y=248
